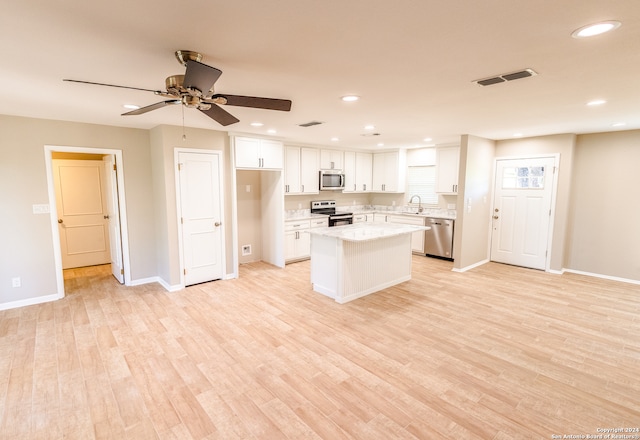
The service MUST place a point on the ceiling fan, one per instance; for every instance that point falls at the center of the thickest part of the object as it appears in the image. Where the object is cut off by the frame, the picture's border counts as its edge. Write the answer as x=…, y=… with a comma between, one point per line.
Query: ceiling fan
x=194, y=89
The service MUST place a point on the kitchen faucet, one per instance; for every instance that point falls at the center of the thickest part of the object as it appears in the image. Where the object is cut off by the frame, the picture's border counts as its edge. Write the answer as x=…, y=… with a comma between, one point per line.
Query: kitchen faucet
x=419, y=201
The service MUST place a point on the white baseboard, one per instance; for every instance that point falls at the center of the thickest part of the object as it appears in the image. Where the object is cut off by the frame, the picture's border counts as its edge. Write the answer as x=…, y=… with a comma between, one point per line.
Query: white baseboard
x=29, y=302
x=606, y=277
x=464, y=269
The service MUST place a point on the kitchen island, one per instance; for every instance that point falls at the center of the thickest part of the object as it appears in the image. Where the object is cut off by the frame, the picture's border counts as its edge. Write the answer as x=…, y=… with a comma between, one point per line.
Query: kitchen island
x=351, y=261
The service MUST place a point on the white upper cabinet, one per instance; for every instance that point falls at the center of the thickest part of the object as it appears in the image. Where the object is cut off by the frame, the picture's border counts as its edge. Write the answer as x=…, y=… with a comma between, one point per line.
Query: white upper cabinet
x=254, y=153
x=291, y=170
x=447, y=163
x=301, y=171
x=358, y=171
x=331, y=160
x=389, y=171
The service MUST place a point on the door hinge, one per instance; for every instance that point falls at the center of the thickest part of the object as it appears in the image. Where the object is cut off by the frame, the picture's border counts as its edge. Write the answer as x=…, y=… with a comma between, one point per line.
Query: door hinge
x=121, y=271
x=549, y=213
x=182, y=220
x=185, y=271
x=179, y=167
x=115, y=168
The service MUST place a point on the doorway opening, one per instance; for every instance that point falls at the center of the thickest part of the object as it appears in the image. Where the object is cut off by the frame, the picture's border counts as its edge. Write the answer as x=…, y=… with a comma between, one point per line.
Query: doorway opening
x=88, y=214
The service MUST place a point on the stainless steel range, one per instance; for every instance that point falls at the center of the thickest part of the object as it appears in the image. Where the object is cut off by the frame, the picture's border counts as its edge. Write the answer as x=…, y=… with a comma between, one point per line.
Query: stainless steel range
x=328, y=207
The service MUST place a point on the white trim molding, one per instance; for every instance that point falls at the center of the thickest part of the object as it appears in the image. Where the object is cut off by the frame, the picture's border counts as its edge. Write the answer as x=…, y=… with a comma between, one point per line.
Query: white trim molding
x=599, y=275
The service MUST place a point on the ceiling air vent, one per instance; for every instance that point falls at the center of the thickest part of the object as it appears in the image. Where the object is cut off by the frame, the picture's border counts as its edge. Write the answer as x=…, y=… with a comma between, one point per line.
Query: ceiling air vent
x=310, y=124
x=506, y=77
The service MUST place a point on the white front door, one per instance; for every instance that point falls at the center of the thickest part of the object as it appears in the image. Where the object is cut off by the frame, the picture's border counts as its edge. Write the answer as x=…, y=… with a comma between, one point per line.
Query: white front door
x=522, y=211
x=201, y=216
x=113, y=214
x=82, y=222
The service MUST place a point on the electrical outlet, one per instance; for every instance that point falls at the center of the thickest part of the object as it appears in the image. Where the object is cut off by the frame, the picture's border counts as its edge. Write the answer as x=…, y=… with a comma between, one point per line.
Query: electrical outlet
x=16, y=282
x=246, y=249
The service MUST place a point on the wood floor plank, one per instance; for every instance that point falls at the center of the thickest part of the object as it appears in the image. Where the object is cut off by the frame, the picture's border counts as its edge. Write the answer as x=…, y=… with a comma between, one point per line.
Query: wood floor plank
x=498, y=352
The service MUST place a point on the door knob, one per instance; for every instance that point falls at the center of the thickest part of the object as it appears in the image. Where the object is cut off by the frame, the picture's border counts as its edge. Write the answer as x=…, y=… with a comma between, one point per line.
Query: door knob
x=495, y=217
x=106, y=217
x=59, y=220
x=217, y=224
x=496, y=210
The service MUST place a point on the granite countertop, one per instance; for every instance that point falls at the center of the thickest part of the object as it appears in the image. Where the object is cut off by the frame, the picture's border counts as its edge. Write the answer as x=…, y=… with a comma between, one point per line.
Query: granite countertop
x=302, y=216
x=367, y=231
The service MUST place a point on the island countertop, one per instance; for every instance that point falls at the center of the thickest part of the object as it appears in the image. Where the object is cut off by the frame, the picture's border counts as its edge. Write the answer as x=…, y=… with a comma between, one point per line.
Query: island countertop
x=367, y=231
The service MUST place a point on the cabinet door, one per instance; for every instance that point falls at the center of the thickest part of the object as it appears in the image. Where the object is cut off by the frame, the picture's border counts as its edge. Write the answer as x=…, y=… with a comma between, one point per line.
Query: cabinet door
x=331, y=159
x=364, y=171
x=271, y=154
x=379, y=171
x=309, y=169
x=291, y=170
x=290, y=239
x=247, y=152
x=303, y=245
x=447, y=162
x=350, y=184
x=386, y=172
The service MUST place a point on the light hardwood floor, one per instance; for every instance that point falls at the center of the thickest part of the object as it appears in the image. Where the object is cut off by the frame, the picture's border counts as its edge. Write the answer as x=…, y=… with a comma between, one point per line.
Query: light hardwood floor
x=498, y=352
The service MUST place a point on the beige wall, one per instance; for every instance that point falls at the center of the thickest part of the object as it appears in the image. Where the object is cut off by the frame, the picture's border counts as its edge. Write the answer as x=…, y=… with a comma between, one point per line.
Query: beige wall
x=164, y=140
x=603, y=235
x=249, y=214
x=471, y=233
x=26, y=243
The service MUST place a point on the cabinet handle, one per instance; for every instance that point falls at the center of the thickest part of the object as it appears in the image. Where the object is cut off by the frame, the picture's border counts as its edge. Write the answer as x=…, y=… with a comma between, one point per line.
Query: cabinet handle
x=364, y=187
x=302, y=188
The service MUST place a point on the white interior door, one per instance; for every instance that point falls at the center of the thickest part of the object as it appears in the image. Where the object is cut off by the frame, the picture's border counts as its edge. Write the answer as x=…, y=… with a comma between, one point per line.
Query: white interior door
x=522, y=211
x=113, y=214
x=201, y=216
x=82, y=212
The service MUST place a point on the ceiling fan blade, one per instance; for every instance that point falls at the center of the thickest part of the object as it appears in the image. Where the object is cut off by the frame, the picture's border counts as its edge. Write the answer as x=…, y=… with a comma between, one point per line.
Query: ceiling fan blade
x=200, y=76
x=220, y=115
x=151, y=107
x=255, y=102
x=157, y=92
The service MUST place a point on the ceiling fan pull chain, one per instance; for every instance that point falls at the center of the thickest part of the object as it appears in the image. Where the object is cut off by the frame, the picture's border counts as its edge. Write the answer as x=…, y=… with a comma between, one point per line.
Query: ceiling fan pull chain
x=184, y=136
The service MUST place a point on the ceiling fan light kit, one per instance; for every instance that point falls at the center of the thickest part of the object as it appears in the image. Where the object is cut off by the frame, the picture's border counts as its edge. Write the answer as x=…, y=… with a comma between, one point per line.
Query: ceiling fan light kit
x=194, y=89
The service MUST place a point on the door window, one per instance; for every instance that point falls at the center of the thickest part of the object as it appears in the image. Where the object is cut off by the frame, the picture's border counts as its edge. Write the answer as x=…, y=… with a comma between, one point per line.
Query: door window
x=527, y=177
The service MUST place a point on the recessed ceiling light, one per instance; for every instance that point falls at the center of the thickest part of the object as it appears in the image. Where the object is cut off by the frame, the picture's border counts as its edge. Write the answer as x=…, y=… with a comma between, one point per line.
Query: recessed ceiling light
x=619, y=124
x=595, y=29
x=517, y=135
x=380, y=144
x=335, y=139
x=369, y=127
x=350, y=98
x=131, y=106
x=257, y=124
x=271, y=131
x=427, y=139
x=596, y=102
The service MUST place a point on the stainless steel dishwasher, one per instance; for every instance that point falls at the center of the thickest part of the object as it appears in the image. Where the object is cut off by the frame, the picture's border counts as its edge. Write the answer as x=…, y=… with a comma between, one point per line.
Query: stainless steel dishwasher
x=438, y=241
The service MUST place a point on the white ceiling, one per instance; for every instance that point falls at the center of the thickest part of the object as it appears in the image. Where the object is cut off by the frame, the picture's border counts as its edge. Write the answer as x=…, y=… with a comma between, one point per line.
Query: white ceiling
x=411, y=61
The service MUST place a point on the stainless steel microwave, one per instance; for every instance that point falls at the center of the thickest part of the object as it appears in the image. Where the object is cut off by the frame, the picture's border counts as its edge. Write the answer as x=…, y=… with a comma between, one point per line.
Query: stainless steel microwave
x=331, y=180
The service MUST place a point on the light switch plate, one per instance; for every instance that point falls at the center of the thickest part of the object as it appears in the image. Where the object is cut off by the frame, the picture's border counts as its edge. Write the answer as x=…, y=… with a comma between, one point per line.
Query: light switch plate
x=41, y=209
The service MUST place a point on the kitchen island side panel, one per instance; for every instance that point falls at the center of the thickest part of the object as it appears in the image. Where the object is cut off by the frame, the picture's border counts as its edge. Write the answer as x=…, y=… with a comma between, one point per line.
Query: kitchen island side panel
x=346, y=270
x=325, y=268
x=373, y=265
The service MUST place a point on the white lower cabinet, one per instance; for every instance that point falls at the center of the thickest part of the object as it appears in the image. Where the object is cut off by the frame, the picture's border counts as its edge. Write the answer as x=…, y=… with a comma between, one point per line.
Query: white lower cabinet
x=297, y=241
x=417, y=238
x=359, y=218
